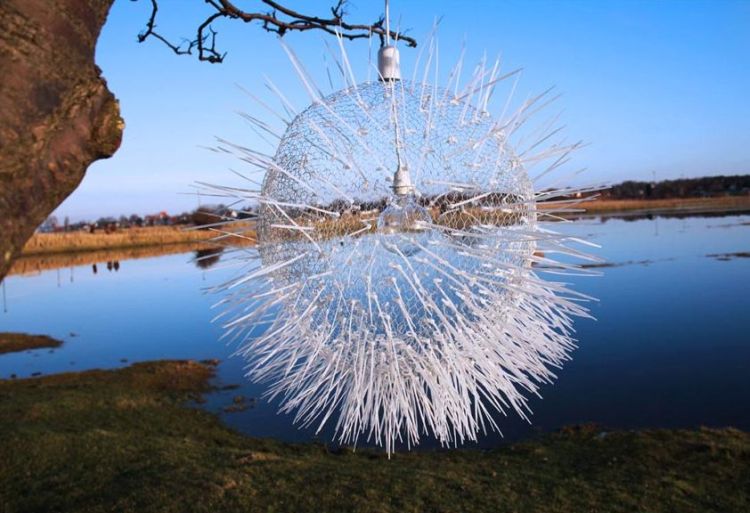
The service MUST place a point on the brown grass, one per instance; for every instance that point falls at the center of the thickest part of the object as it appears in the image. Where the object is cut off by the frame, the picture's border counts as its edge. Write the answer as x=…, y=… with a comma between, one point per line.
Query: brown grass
x=354, y=223
x=45, y=243
x=728, y=203
x=349, y=223
x=15, y=342
x=73, y=242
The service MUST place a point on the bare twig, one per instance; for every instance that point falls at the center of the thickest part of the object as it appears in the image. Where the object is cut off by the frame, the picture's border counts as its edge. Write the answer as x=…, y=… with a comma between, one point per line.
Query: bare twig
x=279, y=19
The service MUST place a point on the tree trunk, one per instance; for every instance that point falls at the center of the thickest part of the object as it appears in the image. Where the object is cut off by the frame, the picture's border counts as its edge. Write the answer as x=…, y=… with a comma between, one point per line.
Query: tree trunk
x=56, y=114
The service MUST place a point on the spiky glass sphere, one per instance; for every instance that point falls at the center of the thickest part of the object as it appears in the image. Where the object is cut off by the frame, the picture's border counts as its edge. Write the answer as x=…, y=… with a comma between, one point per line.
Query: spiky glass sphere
x=398, y=237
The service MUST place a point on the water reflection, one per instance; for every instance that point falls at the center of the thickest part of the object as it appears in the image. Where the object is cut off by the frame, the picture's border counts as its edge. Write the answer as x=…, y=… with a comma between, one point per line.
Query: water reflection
x=206, y=258
x=385, y=343
x=650, y=216
x=670, y=347
x=36, y=264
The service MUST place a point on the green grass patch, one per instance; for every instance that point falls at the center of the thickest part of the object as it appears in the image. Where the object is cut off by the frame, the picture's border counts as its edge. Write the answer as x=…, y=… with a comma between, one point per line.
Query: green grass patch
x=123, y=440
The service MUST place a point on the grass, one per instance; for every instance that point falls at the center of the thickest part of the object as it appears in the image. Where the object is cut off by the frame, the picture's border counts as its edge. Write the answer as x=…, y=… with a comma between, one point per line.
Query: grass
x=354, y=223
x=16, y=342
x=71, y=242
x=347, y=224
x=124, y=441
x=721, y=203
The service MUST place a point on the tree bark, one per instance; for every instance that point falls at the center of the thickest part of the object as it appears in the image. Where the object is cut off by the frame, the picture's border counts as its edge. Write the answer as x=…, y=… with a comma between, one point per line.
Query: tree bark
x=56, y=114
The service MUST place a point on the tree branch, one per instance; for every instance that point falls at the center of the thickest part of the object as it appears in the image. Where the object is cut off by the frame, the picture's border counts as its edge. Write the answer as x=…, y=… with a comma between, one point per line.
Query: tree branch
x=279, y=20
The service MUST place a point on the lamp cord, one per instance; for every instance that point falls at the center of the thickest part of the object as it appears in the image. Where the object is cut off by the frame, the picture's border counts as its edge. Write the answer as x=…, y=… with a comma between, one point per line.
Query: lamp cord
x=387, y=23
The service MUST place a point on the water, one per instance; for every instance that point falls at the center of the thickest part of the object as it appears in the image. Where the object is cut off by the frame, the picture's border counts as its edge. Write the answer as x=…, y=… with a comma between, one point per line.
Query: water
x=670, y=347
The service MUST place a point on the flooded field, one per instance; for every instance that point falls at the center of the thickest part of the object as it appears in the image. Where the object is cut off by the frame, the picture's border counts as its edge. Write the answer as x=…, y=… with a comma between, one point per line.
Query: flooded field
x=670, y=347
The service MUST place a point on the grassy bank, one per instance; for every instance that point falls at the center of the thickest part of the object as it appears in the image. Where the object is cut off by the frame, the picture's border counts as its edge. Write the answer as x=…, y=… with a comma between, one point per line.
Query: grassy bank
x=46, y=251
x=123, y=441
x=71, y=242
x=15, y=342
x=717, y=204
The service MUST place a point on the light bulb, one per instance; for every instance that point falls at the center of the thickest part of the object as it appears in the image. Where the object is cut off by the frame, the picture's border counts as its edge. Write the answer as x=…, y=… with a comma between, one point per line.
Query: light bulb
x=401, y=222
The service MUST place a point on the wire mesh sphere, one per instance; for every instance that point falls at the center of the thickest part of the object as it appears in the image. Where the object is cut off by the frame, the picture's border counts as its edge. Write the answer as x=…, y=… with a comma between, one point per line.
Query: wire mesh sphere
x=400, y=245
x=396, y=232
x=358, y=245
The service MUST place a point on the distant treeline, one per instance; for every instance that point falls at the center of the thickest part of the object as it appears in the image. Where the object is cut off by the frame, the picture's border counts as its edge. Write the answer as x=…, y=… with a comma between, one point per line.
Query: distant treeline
x=682, y=188
x=206, y=214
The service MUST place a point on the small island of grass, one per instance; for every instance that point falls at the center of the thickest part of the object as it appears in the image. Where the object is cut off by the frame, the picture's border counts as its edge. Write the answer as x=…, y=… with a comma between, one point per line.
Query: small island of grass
x=16, y=342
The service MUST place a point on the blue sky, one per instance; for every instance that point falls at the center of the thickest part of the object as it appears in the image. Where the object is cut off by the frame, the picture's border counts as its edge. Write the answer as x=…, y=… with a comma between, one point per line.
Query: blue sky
x=653, y=86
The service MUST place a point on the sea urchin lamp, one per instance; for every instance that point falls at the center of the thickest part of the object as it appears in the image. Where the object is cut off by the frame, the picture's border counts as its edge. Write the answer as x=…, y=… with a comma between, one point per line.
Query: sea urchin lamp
x=397, y=286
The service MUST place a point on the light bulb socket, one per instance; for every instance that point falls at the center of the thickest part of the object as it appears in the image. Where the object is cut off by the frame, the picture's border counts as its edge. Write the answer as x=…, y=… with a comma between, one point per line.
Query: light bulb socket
x=389, y=63
x=402, y=184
